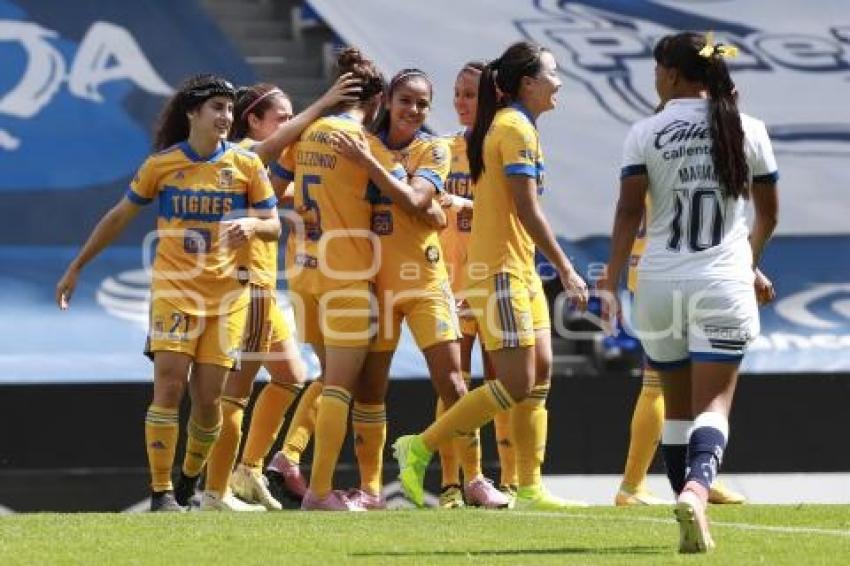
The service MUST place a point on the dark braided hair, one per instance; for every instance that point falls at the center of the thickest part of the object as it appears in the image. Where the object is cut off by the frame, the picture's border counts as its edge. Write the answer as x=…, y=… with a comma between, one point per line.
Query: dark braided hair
x=499, y=86
x=682, y=52
x=173, y=124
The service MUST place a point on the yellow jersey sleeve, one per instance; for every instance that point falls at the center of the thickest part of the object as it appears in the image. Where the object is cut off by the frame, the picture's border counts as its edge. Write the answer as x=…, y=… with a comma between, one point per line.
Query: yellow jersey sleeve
x=434, y=162
x=145, y=186
x=260, y=192
x=284, y=167
x=518, y=150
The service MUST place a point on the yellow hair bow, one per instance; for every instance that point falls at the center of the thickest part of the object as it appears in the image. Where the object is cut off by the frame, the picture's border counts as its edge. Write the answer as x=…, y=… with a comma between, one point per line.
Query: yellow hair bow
x=725, y=51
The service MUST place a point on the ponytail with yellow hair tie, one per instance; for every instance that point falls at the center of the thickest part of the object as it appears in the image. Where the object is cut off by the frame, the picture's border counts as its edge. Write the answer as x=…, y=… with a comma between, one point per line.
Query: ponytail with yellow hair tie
x=725, y=51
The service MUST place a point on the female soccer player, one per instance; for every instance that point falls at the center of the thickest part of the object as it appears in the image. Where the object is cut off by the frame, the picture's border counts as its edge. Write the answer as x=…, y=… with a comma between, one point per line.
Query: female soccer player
x=699, y=160
x=412, y=283
x=503, y=288
x=214, y=197
x=263, y=124
x=332, y=288
x=458, y=200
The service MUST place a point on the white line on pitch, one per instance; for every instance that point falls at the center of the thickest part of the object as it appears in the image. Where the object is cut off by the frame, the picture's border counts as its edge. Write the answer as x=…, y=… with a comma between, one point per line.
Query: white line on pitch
x=741, y=526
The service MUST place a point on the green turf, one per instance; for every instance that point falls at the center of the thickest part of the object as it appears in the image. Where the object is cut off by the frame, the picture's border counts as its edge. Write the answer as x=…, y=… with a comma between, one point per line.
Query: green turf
x=747, y=534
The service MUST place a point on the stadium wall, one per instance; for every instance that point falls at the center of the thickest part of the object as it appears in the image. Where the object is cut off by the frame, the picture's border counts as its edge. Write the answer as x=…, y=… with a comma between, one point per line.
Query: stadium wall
x=88, y=455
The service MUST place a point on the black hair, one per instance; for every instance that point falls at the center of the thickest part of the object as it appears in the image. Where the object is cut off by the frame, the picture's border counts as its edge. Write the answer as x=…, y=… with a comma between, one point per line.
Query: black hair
x=255, y=99
x=382, y=124
x=173, y=124
x=499, y=86
x=682, y=52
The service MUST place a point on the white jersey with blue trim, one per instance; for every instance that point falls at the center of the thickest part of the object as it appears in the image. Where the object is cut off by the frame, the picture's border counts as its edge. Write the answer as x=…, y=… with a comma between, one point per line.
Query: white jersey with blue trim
x=694, y=230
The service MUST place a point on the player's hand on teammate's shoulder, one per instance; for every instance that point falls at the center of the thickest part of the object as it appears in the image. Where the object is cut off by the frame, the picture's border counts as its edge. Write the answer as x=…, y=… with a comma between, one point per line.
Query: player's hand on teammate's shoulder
x=351, y=147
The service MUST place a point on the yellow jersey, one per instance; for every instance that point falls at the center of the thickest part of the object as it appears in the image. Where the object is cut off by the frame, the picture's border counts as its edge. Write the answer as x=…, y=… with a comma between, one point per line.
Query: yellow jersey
x=411, y=257
x=455, y=238
x=263, y=253
x=192, y=269
x=499, y=242
x=331, y=196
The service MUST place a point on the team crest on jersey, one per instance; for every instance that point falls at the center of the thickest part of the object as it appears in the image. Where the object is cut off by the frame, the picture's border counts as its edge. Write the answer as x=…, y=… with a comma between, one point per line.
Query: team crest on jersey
x=439, y=153
x=225, y=178
x=432, y=254
x=179, y=176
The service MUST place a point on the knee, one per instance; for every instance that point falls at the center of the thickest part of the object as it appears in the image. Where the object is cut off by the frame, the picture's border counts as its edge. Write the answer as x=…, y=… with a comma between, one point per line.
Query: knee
x=518, y=391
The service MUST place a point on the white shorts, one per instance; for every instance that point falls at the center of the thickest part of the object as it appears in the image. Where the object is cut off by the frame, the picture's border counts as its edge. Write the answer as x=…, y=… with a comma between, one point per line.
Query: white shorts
x=703, y=321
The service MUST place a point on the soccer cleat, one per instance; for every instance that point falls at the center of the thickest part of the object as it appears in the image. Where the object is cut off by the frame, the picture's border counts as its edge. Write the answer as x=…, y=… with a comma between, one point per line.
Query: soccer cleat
x=719, y=494
x=538, y=498
x=451, y=497
x=253, y=487
x=184, y=489
x=164, y=502
x=627, y=498
x=285, y=476
x=366, y=500
x=411, y=468
x=694, y=537
x=211, y=501
x=481, y=493
x=510, y=492
x=334, y=501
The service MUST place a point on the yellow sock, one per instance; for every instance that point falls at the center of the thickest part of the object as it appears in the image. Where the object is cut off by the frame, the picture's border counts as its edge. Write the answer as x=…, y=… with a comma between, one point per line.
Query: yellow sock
x=223, y=453
x=505, y=446
x=529, y=426
x=467, y=446
x=198, y=445
x=469, y=413
x=448, y=455
x=266, y=420
x=369, y=423
x=303, y=423
x=331, y=424
x=161, y=431
x=647, y=422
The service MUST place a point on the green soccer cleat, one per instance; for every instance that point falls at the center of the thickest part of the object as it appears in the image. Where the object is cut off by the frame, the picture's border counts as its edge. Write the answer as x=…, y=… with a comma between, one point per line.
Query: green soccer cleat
x=538, y=498
x=412, y=458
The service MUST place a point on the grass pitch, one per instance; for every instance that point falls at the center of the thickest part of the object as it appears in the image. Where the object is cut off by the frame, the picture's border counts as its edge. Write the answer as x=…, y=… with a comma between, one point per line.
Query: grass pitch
x=748, y=534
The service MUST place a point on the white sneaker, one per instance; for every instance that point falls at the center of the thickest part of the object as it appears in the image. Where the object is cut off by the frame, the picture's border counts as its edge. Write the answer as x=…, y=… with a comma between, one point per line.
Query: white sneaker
x=251, y=485
x=212, y=501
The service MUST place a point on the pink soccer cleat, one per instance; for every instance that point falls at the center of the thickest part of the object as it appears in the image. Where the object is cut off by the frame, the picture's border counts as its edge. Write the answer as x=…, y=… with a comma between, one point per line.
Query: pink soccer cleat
x=366, y=500
x=480, y=492
x=334, y=501
x=283, y=473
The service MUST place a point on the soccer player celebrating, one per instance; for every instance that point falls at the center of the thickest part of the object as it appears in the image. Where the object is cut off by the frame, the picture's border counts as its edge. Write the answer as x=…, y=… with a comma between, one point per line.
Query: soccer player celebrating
x=700, y=160
x=214, y=198
x=412, y=282
x=331, y=288
x=503, y=288
x=458, y=200
x=263, y=124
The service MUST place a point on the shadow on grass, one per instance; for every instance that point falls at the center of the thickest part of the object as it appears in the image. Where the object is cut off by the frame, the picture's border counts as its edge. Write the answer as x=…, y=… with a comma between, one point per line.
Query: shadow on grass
x=604, y=551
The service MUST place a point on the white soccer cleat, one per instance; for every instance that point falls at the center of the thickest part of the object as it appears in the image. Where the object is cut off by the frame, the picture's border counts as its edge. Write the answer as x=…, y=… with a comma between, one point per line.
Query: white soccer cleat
x=211, y=501
x=252, y=486
x=694, y=537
